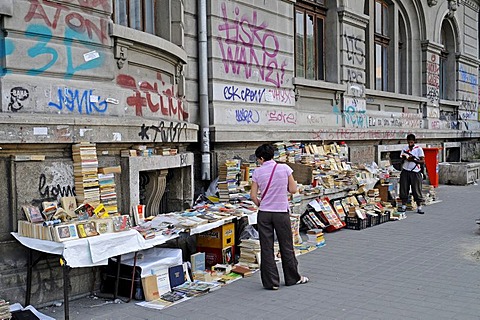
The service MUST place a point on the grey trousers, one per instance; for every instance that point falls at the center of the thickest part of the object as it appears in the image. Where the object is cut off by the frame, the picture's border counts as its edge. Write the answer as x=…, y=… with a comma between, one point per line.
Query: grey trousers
x=267, y=223
x=411, y=179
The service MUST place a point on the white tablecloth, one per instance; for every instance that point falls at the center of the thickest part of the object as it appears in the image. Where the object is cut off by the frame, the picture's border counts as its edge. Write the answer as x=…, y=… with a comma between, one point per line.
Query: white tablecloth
x=88, y=252
x=95, y=251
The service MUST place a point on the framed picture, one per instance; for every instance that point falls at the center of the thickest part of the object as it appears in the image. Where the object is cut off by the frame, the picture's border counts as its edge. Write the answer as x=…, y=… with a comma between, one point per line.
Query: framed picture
x=66, y=232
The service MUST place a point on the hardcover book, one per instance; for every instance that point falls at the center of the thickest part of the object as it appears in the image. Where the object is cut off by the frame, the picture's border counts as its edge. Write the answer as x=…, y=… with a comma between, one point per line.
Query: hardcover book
x=176, y=276
x=33, y=214
x=198, y=261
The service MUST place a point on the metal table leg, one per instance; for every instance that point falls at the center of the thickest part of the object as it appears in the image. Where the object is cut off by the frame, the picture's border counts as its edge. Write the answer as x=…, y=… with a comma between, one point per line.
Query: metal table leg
x=133, y=276
x=29, y=277
x=117, y=278
x=66, y=272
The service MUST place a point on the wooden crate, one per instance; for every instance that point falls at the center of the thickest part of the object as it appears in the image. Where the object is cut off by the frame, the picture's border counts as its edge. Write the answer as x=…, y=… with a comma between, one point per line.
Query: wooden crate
x=302, y=173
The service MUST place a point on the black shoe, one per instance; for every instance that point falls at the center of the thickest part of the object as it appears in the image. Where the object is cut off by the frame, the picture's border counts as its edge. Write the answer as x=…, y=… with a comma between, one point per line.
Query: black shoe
x=420, y=211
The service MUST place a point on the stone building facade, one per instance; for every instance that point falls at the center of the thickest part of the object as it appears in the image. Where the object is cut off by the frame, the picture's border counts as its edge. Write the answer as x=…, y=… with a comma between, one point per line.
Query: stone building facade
x=121, y=73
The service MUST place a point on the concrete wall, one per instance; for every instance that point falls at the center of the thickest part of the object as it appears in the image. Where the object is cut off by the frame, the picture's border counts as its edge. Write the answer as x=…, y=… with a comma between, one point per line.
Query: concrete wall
x=69, y=74
x=346, y=106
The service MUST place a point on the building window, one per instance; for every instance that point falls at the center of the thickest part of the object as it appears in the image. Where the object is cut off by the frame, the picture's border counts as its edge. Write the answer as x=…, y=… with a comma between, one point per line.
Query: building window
x=136, y=14
x=382, y=42
x=447, y=63
x=309, y=40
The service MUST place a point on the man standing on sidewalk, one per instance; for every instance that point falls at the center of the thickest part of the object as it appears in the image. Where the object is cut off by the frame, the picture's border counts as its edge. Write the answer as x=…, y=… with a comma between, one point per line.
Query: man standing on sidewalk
x=411, y=175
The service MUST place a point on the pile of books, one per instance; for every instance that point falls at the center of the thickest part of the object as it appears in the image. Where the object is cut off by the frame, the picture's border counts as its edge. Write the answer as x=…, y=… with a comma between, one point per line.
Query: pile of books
x=315, y=237
x=4, y=310
x=85, y=171
x=228, y=177
x=34, y=230
x=108, y=193
x=280, y=154
x=250, y=253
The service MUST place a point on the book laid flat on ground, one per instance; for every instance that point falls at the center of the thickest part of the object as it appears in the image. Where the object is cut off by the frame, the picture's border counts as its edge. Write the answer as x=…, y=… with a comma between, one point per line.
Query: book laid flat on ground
x=243, y=271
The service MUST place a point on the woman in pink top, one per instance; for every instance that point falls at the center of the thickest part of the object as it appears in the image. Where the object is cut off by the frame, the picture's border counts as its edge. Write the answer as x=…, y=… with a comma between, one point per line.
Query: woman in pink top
x=274, y=181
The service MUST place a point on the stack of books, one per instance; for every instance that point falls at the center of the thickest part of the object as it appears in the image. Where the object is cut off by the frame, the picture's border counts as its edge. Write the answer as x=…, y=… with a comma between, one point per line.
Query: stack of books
x=247, y=170
x=315, y=237
x=34, y=230
x=108, y=193
x=250, y=253
x=85, y=171
x=228, y=178
x=4, y=310
x=280, y=155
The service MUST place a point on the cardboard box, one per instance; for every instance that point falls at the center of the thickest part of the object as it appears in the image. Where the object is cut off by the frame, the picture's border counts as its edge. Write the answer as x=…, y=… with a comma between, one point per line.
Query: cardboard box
x=150, y=288
x=221, y=237
x=215, y=256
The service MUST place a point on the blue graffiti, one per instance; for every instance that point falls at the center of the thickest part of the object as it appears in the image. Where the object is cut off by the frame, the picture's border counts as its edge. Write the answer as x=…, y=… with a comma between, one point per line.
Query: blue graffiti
x=70, y=37
x=467, y=77
x=43, y=35
x=72, y=99
x=6, y=48
x=352, y=116
x=247, y=95
x=247, y=116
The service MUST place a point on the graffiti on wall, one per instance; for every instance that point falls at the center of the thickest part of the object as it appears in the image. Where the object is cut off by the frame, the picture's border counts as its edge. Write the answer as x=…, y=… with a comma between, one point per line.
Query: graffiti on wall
x=433, y=78
x=56, y=181
x=43, y=19
x=353, y=134
x=154, y=96
x=85, y=102
x=164, y=132
x=17, y=97
x=249, y=48
x=252, y=94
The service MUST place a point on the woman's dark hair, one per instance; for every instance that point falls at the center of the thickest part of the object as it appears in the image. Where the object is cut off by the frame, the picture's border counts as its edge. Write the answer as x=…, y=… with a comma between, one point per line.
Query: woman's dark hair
x=265, y=151
x=411, y=137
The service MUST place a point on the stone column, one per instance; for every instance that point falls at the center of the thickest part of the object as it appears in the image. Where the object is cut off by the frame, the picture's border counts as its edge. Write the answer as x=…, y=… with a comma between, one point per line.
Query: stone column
x=353, y=64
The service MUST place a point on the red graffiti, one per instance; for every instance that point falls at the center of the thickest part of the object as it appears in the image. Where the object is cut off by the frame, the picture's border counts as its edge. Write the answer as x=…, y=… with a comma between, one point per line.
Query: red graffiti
x=351, y=134
x=150, y=95
x=433, y=72
x=73, y=20
x=238, y=46
x=280, y=116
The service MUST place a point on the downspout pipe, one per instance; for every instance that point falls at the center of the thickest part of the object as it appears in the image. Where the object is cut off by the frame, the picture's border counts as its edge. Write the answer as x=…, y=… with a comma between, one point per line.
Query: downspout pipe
x=203, y=87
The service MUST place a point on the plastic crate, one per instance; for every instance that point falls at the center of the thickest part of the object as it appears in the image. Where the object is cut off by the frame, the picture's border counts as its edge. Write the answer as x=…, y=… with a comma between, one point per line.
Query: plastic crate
x=372, y=220
x=384, y=218
x=355, y=223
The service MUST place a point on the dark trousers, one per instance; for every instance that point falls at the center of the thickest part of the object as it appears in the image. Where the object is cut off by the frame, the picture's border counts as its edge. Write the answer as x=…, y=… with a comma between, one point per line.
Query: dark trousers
x=411, y=179
x=267, y=223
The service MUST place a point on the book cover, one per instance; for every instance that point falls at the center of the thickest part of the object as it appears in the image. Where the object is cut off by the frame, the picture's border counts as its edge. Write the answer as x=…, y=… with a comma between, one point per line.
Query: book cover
x=198, y=261
x=104, y=226
x=65, y=232
x=227, y=255
x=33, y=214
x=87, y=229
x=121, y=223
x=176, y=276
x=100, y=211
x=84, y=211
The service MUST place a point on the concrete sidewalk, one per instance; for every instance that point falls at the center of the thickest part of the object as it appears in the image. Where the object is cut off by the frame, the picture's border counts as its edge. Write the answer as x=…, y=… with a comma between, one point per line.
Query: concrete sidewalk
x=423, y=267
